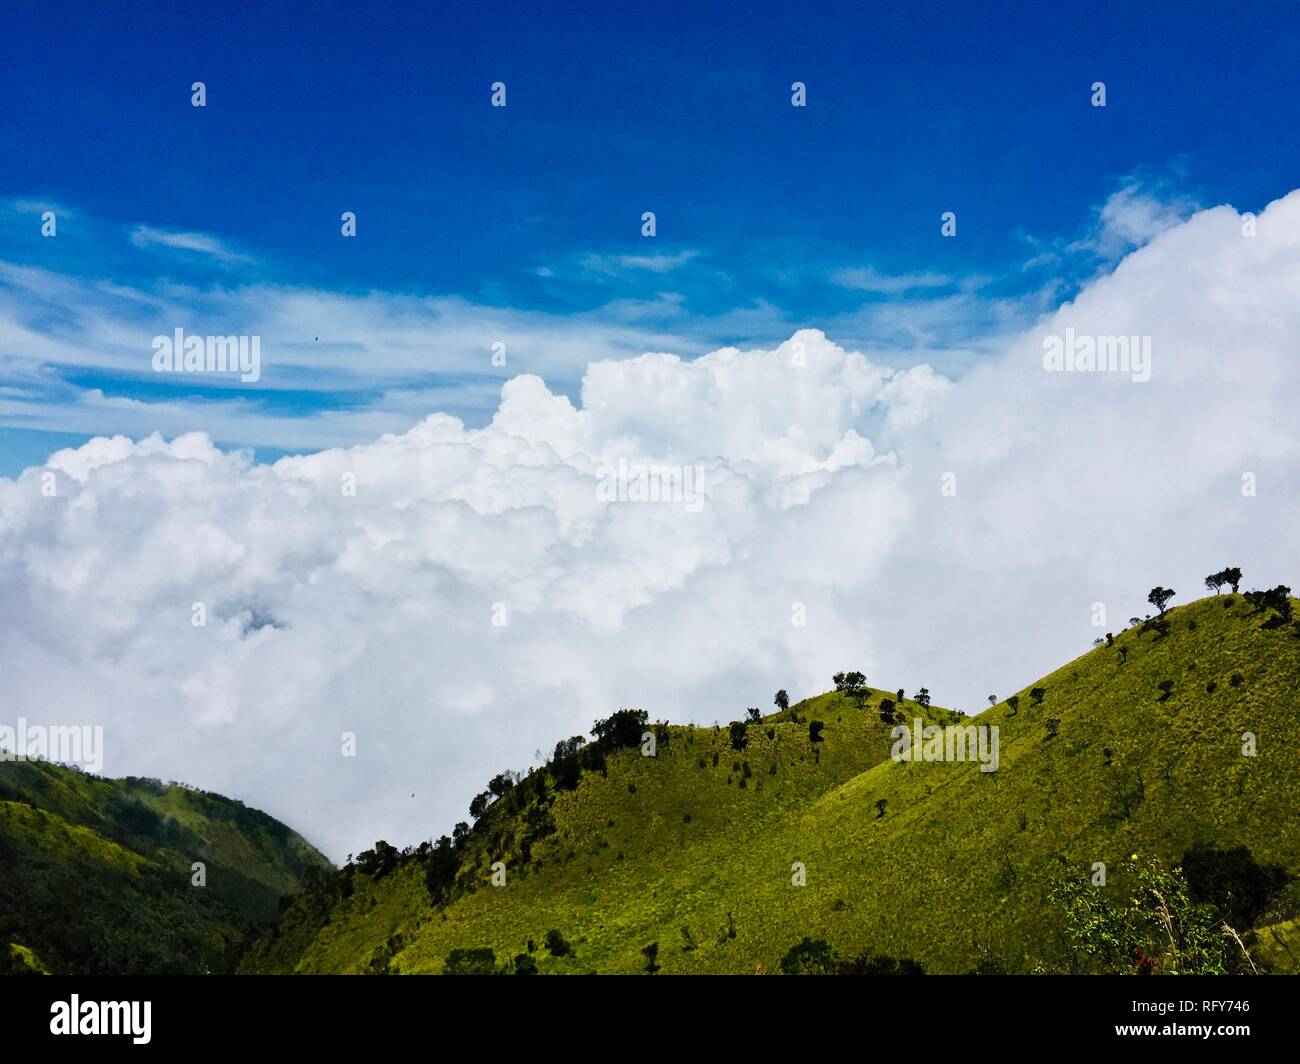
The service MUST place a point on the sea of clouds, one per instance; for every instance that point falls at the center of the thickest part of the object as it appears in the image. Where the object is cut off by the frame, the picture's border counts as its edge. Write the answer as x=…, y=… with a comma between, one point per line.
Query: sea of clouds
x=823, y=472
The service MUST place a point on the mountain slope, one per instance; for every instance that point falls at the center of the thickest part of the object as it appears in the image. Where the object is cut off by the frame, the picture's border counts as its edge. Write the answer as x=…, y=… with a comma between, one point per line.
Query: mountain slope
x=953, y=869
x=96, y=874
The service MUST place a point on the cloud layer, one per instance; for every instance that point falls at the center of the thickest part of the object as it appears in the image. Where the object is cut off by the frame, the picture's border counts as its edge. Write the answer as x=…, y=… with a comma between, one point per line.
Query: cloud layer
x=823, y=474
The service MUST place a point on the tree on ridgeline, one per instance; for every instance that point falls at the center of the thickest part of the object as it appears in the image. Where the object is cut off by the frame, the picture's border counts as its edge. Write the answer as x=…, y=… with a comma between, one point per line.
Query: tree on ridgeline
x=1159, y=597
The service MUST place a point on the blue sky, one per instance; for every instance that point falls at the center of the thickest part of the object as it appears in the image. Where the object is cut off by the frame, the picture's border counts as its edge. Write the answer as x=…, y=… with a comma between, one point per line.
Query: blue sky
x=476, y=223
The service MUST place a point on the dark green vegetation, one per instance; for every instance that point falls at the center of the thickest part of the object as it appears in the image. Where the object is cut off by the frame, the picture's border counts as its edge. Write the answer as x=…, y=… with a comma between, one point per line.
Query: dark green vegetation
x=1168, y=754
x=96, y=874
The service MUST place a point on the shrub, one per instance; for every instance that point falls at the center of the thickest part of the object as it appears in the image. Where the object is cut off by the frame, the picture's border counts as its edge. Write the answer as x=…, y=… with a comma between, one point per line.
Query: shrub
x=1233, y=882
x=555, y=944
x=879, y=964
x=481, y=961
x=1160, y=929
x=809, y=957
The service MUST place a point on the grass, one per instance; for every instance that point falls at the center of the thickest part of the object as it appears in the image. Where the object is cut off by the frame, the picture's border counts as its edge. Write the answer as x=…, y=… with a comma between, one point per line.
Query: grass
x=699, y=858
x=95, y=874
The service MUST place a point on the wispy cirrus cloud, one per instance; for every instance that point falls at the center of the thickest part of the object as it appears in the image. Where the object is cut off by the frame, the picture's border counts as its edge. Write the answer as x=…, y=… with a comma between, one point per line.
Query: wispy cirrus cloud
x=144, y=236
x=869, y=279
x=1138, y=210
x=621, y=265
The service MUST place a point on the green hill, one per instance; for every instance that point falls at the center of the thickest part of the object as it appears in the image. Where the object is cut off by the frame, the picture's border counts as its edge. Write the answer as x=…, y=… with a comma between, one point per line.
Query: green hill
x=694, y=850
x=96, y=874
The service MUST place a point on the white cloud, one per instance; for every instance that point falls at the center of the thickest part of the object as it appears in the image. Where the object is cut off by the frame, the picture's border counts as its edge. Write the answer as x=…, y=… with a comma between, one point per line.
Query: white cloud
x=373, y=614
x=1133, y=215
x=619, y=265
x=869, y=279
x=144, y=236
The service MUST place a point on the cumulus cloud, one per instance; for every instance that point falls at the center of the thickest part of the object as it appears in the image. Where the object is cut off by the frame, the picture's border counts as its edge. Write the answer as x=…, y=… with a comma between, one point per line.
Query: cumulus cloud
x=820, y=477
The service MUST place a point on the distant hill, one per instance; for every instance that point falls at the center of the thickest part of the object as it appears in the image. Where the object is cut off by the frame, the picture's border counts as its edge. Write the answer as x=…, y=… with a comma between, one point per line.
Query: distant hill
x=95, y=874
x=686, y=861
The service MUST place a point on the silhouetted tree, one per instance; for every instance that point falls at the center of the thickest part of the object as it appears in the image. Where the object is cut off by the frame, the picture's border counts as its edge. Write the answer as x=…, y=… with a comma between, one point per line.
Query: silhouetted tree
x=739, y=739
x=755, y=714
x=1277, y=599
x=853, y=684
x=1159, y=597
x=555, y=944
x=1230, y=576
x=1037, y=695
x=815, y=731
x=502, y=782
x=1014, y=703
x=782, y=700
x=922, y=697
x=621, y=729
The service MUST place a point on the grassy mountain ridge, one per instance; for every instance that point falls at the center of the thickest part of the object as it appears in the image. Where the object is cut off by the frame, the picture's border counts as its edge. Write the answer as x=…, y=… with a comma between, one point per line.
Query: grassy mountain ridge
x=1136, y=747
x=95, y=874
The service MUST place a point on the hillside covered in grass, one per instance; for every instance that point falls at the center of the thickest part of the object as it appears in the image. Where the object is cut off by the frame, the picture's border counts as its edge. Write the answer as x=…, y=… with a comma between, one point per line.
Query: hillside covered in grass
x=97, y=875
x=1172, y=743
